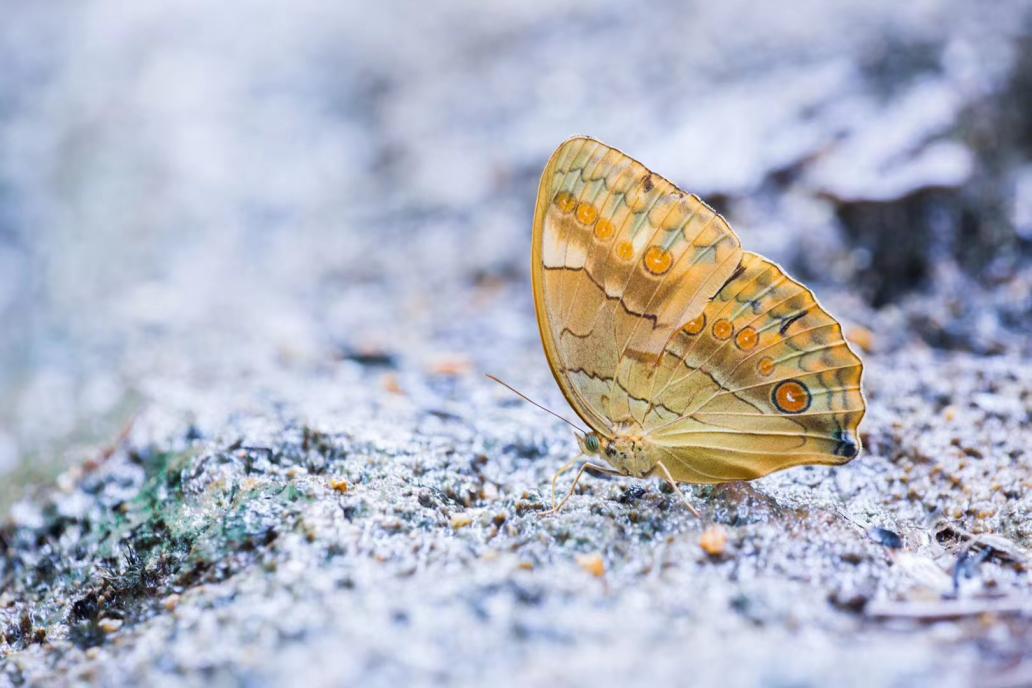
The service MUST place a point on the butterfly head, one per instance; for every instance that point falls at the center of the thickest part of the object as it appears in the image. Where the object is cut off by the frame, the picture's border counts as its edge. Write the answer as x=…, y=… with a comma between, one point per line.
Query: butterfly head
x=626, y=454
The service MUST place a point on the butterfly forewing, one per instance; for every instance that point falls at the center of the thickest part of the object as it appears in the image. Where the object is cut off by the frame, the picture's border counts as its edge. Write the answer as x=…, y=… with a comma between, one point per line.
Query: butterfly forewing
x=622, y=258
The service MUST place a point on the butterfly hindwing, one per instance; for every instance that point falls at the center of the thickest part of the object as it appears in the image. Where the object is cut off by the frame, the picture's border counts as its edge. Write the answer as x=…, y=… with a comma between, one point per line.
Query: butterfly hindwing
x=767, y=382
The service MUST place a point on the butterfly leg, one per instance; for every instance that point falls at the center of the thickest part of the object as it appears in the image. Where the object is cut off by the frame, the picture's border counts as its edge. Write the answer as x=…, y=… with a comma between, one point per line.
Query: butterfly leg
x=556, y=477
x=556, y=508
x=670, y=479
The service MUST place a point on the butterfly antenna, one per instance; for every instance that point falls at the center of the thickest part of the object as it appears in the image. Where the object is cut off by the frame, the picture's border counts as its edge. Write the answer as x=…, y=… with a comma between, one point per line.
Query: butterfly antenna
x=543, y=408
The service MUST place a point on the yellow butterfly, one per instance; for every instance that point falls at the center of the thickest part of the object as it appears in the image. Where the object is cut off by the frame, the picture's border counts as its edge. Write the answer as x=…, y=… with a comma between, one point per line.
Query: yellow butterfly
x=689, y=358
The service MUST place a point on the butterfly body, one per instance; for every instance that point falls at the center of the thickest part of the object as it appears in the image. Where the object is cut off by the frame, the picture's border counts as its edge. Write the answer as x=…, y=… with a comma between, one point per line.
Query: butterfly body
x=687, y=356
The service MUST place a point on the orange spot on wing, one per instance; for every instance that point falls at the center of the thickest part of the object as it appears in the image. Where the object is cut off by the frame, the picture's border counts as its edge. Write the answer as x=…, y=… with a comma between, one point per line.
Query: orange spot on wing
x=791, y=396
x=565, y=201
x=657, y=260
x=746, y=339
x=624, y=250
x=723, y=329
x=695, y=325
x=604, y=229
x=586, y=213
x=765, y=366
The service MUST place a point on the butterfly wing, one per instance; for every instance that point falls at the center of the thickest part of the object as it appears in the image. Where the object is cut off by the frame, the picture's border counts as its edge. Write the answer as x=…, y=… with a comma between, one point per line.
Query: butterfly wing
x=762, y=381
x=622, y=260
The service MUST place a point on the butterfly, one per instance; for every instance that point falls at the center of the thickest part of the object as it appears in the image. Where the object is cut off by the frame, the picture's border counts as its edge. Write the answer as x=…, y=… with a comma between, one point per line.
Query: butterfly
x=689, y=358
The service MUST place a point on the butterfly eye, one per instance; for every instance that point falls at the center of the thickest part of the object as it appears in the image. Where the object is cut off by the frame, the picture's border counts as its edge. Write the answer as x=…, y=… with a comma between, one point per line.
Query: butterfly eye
x=591, y=442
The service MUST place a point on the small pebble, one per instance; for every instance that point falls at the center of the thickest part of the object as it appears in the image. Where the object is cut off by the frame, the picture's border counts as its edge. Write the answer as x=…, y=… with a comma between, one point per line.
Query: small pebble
x=884, y=536
x=451, y=367
x=862, y=337
x=170, y=602
x=340, y=485
x=713, y=541
x=924, y=572
x=460, y=521
x=109, y=625
x=593, y=564
x=391, y=384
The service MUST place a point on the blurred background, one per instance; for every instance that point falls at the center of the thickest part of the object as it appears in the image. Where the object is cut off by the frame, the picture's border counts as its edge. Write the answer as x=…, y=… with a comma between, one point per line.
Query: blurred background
x=210, y=206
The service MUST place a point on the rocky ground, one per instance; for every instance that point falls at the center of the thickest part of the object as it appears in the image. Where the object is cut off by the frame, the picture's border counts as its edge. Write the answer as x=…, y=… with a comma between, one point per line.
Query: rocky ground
x=253, y=274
